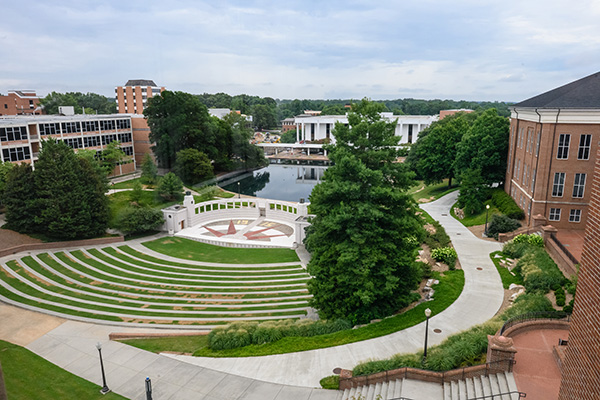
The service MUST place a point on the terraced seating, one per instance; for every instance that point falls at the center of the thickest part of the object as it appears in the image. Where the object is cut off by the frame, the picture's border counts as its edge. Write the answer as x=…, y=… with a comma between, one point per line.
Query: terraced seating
x=126, y=285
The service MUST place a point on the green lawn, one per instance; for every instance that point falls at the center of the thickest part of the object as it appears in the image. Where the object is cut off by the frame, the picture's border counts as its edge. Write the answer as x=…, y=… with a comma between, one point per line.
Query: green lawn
x=120, y=200
x=191, y=250
x=129, y=184
x=450, y=287
x=28, y=376
x=436, y=190
x=505, y=275
x=478, y=219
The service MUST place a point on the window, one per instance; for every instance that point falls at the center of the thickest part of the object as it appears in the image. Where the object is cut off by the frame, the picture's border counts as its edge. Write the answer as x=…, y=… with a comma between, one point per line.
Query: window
x=575, y=216
x=49, y=129
x=123, y=124
x=518, y=169
x=579, y=185
x=108, y=125
x=521, y=135
x=71, y=127
x=533, y=180
x=31, y=106
x=584, y=147
x=328, y=133
x=89, y=126
x=529, y=208
x=127, y=150
x=537, y=146
x=124, y=137
x=106, y=139
x=74, y=143
x=16, y=154
x=554, y=214
x=91, y=141
x=525, y=174
x=559, y=183
x=529, y=134
x=563, y=146
x=13, y=133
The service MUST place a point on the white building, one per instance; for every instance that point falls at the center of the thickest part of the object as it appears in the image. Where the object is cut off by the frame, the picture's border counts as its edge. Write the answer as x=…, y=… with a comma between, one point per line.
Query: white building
x=311, y=128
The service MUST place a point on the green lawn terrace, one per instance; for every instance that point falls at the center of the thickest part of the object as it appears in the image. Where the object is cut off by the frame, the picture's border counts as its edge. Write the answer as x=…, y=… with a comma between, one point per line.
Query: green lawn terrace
x=133, y=285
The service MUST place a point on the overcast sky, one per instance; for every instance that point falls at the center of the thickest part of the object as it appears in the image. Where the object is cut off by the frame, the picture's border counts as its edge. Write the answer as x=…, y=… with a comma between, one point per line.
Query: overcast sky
x=381, y=49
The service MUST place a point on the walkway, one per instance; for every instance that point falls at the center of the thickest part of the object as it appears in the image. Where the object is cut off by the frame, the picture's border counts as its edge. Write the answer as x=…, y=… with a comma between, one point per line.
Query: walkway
x=480, y=300
x=71, y=344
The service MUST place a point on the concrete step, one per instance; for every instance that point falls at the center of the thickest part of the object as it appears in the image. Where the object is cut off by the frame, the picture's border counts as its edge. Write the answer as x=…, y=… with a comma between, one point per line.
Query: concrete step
x=383, y=390
x=447, y=391
x=462, y=390
x=397, y=389
x=470, y=388
x=487, y=386
x=512, y=385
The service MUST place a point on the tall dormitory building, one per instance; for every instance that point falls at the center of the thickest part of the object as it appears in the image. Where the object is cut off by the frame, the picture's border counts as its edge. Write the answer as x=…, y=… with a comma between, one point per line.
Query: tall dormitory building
x=132, y=98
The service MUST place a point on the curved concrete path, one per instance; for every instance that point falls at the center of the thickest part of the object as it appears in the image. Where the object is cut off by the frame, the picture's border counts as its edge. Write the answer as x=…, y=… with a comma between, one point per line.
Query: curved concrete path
x=70, y=345
x=480, y=300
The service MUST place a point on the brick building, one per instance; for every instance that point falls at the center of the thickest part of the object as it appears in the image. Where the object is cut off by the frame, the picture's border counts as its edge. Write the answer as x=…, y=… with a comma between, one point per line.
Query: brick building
x=21, y=137
x=20, y=102
x=581, y=366
x=553, y=142
x=132, y=98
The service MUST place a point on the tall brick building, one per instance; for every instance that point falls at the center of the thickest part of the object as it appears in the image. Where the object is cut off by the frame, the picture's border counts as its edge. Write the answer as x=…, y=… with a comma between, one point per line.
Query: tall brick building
x=20, y=102
x=132, y=98
x=581, y=367
x=553, y=142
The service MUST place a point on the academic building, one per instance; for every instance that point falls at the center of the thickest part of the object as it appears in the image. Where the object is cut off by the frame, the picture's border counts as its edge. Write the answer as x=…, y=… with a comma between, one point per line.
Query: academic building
x=133, y=97
x=553, y=144
x=21, y=136
x=20, y=102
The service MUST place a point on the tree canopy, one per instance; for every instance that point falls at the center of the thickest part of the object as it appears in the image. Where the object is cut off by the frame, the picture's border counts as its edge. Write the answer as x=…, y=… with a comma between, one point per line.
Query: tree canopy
x=364, y=236
x=92, y=103
x=192, y=166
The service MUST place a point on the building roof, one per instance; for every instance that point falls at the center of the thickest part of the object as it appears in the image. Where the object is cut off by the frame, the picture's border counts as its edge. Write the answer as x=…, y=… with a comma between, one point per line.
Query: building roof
x=140, y=82
x=583, y=93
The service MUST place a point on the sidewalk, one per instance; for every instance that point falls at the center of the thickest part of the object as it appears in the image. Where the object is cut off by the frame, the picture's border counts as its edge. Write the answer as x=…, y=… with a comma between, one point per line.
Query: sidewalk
x=71, y=345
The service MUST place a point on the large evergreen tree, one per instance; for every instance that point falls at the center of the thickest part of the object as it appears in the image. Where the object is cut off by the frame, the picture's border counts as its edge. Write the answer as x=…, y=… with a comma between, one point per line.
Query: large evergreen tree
x=19, y=199
x=365, y=233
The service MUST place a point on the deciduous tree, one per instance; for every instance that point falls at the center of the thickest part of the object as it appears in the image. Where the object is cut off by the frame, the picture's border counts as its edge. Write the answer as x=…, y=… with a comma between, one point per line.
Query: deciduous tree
x=192, y=166
x=365, y=234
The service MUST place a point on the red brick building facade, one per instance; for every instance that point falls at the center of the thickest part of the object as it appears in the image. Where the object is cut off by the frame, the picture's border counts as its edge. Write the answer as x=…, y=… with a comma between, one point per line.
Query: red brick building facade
x=553, y=143
x=132, y=98
x=20, y=102
x=581, y=367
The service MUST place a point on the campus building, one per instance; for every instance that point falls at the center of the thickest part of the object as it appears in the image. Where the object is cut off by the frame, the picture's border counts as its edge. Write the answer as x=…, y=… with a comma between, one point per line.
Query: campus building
x=553, y=144
x=20, y=102
x=318, y=128
x=21, y=137
x=133, y=97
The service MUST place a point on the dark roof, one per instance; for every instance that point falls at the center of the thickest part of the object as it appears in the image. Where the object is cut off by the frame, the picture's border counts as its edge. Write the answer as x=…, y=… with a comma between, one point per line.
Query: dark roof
x=583, y=93
x=140, y=82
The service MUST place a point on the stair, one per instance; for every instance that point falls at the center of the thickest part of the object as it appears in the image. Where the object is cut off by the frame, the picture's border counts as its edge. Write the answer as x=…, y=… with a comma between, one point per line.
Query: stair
x=480, y=386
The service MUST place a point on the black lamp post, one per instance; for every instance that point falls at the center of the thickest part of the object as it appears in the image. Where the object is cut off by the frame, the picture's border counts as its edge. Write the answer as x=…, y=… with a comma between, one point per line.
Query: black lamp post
x=427, y=315
x=239, y=193
x=105, y=388
x=487, y=208
x=148, y=388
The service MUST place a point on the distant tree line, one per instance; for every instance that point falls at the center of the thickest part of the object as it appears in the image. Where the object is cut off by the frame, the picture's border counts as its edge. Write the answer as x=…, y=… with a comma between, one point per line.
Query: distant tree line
x=92, y=103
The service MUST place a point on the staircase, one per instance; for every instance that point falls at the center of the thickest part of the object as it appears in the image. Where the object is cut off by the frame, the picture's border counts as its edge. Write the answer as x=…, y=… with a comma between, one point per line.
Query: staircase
x=495, y=386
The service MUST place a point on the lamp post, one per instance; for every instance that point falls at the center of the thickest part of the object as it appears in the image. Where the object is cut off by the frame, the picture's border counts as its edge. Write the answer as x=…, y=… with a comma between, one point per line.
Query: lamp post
x=105, y=388
x=148, y=388
x=427, y=315
x=487, y=209
x=239, y=193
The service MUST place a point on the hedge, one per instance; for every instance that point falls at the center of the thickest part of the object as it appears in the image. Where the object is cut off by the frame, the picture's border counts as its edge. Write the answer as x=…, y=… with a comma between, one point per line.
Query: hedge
x=506, y=204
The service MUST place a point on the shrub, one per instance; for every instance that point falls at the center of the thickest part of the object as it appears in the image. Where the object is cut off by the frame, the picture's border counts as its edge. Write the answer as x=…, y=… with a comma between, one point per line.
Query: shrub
x=330, y=382
x=522, y=238
x=134, y=220
x=438, y=239
x=559, y=294
x=506, y=204
x=446, y=255
x=242, y=334
x=515, y=250
x=539, y=271
x=502, y=224
x=533, y=239
x=569, y=307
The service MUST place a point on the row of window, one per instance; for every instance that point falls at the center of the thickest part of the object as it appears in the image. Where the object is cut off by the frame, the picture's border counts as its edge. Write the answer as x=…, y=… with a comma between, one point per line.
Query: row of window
x=13, y=133
x=85, y=126
x=528, y=141
x=574, y=215
x=559, y=184
x=583, y=152
x=16, y=154
x=93, y=141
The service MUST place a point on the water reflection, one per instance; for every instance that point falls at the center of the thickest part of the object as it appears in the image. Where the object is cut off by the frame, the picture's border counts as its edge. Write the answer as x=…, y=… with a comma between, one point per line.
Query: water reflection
x=278, y=181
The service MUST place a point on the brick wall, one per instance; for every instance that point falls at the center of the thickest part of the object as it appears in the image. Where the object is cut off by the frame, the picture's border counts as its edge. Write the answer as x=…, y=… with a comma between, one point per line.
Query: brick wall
x=581, y=368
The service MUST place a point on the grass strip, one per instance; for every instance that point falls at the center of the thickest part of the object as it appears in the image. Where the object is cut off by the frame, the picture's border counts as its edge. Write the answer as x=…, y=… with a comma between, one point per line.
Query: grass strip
x=102, y=276
x=201, y=270
x=450, y=287
x=187, y=249
x=505, y=275
x=138, y=254
x=150, y=305
x=29, y=376
x=477, y=219
x=436, y=190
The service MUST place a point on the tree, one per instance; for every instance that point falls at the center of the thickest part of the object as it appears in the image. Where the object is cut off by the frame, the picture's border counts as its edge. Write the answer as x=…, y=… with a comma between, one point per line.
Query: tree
x=434, y=152
x=70, y=194
x=139, y=219
x=193, y=166
x=288, y=136
x=364, y=237
x=91, y=102
x=136, y=193
x=149, y=170
x=5, y=168
x=179, y=121
x=473, y=192
x=264, y=116
x=112, y=156
x=170, y=187
x=485, y=147
x=19, y=197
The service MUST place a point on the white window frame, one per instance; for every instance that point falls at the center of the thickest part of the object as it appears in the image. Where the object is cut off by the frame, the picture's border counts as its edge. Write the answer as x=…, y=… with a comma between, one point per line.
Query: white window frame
x=554, y=214
x=562, y=151
x=575, y=215
x=579, y=186
x=558, y=185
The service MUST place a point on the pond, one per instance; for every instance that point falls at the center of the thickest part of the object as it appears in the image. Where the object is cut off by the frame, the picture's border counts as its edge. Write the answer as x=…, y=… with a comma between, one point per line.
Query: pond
x=289, y=182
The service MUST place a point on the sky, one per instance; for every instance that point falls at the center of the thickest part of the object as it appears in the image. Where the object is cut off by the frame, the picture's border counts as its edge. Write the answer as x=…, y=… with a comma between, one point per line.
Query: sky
x=475, y=50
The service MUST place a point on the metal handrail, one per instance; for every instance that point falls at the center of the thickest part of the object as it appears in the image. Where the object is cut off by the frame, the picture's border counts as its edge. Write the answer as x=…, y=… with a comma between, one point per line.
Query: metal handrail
x=532, y=316
x=564, y=249
x=492, y=396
